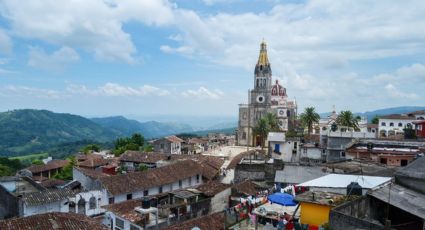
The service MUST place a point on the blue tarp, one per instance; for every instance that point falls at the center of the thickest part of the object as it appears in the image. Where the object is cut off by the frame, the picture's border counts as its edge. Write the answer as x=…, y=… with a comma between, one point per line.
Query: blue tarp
x=282, y=199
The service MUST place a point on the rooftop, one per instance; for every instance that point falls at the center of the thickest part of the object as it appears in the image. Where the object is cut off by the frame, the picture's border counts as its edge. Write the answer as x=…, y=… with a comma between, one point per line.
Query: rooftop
x=246, y=187
x=343, y=180
x=47, y=196
x=213, y=221
x=403, y=198
x=322, y=198
x=397, y=117
x=53, y=164
x=131, y=182
x=174, y=139
x=295, y=174
x=211, y=188
x=276, y=137
x=53, y=220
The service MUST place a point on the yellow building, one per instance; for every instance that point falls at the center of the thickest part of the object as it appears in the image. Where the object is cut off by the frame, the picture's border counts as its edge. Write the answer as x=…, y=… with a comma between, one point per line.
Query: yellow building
x=316, y=206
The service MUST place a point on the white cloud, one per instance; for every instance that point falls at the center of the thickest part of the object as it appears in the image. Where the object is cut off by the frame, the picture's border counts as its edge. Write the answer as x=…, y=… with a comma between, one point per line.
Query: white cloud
x=32, y=92
x=396, y=93
x=95, y=26
x=5, y=43
x=181, y=49
x=117, y=90
x=57, y=60
x=203, y=93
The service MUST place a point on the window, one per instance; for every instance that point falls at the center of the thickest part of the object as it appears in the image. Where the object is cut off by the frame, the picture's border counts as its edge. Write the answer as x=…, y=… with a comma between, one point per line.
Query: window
x=146, y=193
x=197, y=178
x=134, y=227
x=72, y=206
x=342, y=153
x=391, y=124
x=111, y=200
x=400, y=124
x=162, y=146
x=82, y=206
x=243, y=135
x=160, y=189
x=129, y=196
x=119, y=224
x=92, y=203
x=295, y=145
x=180, y=184
x=383, y=124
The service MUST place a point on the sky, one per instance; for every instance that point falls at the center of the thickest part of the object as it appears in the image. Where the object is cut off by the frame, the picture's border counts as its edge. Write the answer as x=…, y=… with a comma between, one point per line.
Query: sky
x=197, y=57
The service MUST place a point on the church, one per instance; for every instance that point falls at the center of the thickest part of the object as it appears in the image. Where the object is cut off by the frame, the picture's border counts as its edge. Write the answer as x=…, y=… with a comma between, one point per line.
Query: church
x=266, y=97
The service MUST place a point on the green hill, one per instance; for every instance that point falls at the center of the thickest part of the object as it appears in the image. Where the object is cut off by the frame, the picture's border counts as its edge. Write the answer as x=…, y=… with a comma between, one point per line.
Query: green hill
x=29, y=131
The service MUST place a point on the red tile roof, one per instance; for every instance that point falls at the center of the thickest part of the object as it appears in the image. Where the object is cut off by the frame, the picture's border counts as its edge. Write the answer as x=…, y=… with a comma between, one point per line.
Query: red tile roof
x=53, y=164
x=211, y=188
x=246, y=187
x=142, y=157
x=137, y=181
x=93, y=162
x=174, y=139
x=92, y=173
x=54, y=220
x=213, y=221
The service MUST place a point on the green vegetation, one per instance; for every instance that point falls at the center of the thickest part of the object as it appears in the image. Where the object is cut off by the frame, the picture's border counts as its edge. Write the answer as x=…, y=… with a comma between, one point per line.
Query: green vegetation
x=90, y=148
x=375, y=120
x=66, y=172
x=346, y=118
x=308, y=118
x=142, y=168
x=37, y=162
x=136, y=142
x=8, y=167
x=29, y=158
x=30, y=131
x=268, y=123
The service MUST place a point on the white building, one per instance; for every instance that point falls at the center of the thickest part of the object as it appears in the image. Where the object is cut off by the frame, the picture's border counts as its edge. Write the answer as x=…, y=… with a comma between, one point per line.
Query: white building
x=393, y=125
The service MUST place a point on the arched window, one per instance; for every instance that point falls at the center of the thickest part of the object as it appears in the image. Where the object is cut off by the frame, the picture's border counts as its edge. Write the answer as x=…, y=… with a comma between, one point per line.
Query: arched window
x=383, y=124
x=274, y=91
x=82, y=206
x=258, y=82
x=391, y=124
x=400, y=124
x=71, y=206
x=409, y=126
x=92, y=203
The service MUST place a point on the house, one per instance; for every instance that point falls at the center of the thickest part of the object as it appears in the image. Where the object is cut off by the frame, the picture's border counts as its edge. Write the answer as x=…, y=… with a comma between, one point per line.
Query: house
x=214, y=221
x=396, y=205
x=387, y=152
x=133, y=159
x=297, y=174
x=157, y=211
x=169, y=145
x=337, y=183
x=55, y=220
x=219, y=194
x=316, y=206
x=47, y=171
x=420, y=128
x=289, y=150
x=119, y=188
x=93, y=161
x=275, y=140
x=392, y=126
x=312, y=153
x=257, y=168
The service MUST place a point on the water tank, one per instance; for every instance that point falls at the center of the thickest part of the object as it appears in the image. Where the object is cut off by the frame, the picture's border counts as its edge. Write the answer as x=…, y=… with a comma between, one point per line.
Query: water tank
x=354, y=189
x=146, y=203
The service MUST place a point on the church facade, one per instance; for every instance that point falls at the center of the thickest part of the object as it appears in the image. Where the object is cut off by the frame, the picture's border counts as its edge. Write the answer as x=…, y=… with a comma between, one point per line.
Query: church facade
x=266, y=97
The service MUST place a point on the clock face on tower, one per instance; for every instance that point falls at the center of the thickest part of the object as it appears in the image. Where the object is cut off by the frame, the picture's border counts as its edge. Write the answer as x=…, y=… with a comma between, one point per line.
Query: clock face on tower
x=260, y=99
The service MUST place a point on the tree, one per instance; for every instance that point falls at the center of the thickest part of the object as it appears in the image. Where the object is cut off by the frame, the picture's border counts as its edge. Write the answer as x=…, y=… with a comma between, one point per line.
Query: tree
x=37, y=162
x=273, y=122
x=5, y=171
x=375, y=120
x=308, y=118
x=409, y=132
x=346, y=118
x=142, y=168
x=262, y=128
x=66, y=172
x=135, y=143
x=90, y=148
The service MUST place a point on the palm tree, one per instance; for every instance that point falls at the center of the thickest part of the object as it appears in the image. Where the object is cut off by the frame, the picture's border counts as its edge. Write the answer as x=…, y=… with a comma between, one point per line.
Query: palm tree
x=262, y=128
x=308, y=118
x=273, y=122
x=347, y=118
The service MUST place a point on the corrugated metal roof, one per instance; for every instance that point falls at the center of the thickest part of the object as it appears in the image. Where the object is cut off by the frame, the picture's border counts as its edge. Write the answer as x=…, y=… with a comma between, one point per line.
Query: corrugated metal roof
x=295, y=174
x=343, y=180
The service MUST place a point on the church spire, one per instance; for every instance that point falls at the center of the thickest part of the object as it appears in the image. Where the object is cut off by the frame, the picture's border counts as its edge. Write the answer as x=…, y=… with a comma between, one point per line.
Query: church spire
x=263, y=59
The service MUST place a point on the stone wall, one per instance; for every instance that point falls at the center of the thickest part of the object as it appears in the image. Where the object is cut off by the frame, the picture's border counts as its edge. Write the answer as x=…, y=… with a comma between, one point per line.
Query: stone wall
x=353, y=215
x=10, y=206
x=257, y=171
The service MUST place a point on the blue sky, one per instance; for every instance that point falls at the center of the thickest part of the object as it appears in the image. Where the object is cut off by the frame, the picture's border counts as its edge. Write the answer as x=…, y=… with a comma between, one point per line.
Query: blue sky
x=187, y=57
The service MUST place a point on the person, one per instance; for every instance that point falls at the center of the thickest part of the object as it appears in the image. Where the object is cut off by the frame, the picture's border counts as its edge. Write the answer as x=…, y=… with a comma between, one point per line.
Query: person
x=286, y=216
